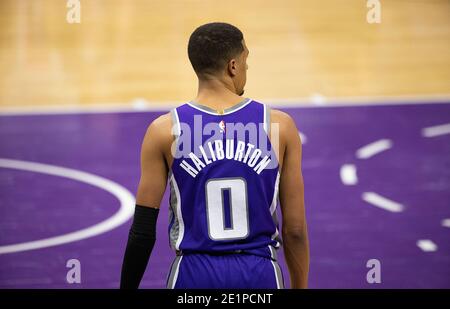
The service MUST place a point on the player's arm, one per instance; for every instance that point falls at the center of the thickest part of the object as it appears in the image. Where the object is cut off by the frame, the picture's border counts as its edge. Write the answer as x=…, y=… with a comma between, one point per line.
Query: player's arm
x=152, y=184
x=294, y=230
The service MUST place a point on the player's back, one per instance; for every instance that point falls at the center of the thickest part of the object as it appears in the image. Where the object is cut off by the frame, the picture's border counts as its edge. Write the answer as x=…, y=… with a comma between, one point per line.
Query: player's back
x=224, y=188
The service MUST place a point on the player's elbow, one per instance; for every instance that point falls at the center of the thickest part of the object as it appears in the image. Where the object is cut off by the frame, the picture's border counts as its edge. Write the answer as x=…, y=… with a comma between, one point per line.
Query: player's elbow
x=294, y=234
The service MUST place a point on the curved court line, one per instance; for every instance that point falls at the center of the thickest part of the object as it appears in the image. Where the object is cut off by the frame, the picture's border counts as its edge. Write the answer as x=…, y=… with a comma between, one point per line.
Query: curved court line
x=426, y=245
x=348, y=174
x=121, y=216
x=445, y=223
x=382, y=202
x=436, y=130
x=374, y=148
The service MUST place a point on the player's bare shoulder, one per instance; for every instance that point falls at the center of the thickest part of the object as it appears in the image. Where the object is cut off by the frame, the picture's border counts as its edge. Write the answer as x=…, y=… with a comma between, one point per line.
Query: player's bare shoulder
x=287, y=133
x=159, y=134
x=286, y=126
x=162, y=122
x=284, y=120
x=160, y=128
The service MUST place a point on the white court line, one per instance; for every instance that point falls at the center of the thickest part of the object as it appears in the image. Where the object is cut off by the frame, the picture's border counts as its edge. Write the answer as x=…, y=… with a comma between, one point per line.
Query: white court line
x=91, y=109
x=142, y=105
x=436, y=130
x=319, y=100
x=374, y=148
x=348, y=174
x=446, y=223
x=427, y=245
x=382, y=202
x=124, y=196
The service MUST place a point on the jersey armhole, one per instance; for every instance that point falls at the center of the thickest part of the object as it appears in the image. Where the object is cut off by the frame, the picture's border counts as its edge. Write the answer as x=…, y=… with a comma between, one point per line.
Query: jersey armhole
x=275, y=144
x=176, y=132
x=266, y=119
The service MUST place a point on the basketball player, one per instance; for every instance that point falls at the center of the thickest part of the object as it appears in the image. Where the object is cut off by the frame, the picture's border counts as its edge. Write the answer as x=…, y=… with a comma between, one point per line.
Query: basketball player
x=224, y=178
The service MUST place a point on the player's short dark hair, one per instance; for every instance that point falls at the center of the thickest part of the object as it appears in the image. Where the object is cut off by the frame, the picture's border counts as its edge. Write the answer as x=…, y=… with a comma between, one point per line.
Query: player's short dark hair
x=212, y=45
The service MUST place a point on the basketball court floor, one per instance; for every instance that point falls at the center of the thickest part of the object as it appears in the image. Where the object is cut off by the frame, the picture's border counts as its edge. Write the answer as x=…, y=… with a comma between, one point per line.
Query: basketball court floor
x=371, y=101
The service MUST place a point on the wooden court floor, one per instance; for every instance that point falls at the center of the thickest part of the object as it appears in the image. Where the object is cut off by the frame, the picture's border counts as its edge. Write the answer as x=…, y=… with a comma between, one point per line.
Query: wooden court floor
x=123, y=50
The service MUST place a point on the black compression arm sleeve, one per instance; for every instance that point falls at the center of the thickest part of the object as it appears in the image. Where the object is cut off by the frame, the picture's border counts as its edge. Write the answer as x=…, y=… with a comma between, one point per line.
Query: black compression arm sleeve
x=141, y=240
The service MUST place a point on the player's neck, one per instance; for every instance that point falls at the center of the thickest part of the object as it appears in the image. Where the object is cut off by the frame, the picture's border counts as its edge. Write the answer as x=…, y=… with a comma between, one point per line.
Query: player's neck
x=217, y=94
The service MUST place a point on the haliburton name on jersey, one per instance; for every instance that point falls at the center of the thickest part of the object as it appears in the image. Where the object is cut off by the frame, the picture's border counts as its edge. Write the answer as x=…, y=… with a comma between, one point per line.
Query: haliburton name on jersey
x=246, y=153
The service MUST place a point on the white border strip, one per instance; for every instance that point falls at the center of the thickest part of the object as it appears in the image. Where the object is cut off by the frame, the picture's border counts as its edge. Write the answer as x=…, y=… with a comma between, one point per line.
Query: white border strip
x=276, y=270
x=179, y=213
x=125, y=198
x=244, y=104
x=161, y=106
x=266, y=124
x=175, y=276
x=273, y=205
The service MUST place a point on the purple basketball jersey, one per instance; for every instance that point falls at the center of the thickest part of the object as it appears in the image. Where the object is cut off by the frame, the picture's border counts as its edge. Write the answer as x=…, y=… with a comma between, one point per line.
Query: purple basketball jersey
x=224, y=181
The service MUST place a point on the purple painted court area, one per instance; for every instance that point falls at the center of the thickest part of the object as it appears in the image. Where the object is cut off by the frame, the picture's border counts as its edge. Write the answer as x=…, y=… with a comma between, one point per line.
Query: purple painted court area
x=345, y=231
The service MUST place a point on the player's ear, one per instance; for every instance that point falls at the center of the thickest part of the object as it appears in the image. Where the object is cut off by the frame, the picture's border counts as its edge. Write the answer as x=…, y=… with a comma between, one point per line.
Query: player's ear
x=232, y=67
